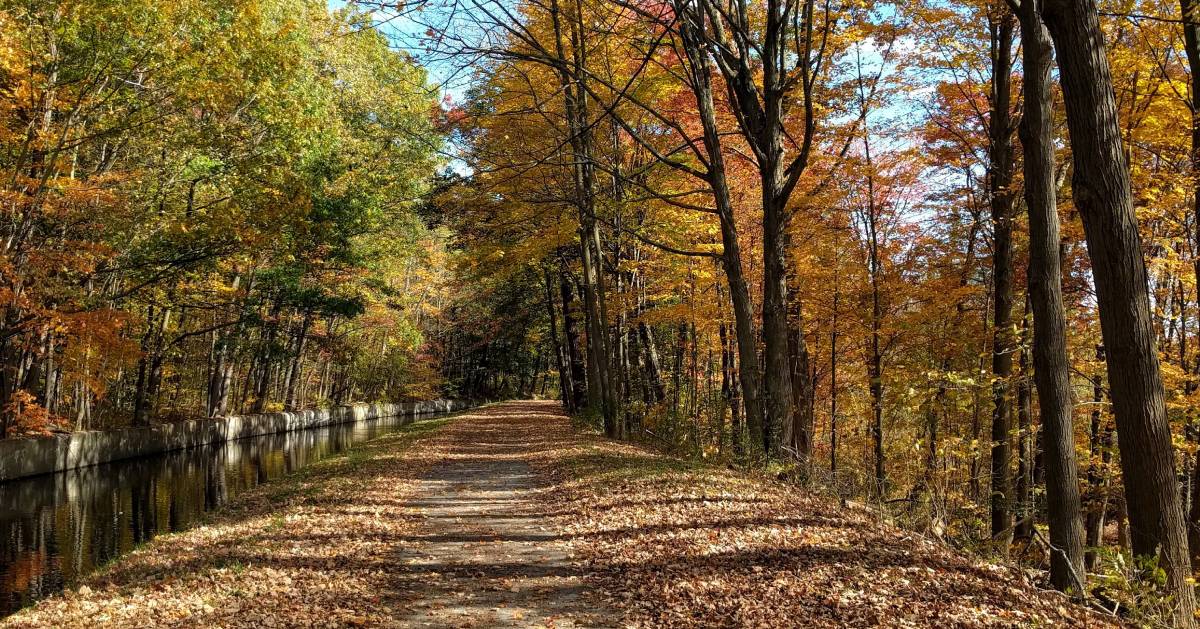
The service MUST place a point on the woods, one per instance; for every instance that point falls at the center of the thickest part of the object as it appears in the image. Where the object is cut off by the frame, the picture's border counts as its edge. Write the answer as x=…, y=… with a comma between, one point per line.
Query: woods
x=210, y=209
x=938, y=258
x=932, y=255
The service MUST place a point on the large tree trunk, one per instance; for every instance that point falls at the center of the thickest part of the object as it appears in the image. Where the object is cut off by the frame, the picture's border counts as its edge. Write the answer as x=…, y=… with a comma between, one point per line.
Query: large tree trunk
x=1051, y=365
x=743, y=333
x=1101, y=188
x=777, y=377
x=1000, y=170
x=598, y=329
x=572, y=70
x=1191, y=38
x=749, y=370
x=763, y=86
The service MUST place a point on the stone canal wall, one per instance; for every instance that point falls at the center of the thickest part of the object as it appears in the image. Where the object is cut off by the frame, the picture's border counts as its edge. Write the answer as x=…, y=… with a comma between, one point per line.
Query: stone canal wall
x=29, y=457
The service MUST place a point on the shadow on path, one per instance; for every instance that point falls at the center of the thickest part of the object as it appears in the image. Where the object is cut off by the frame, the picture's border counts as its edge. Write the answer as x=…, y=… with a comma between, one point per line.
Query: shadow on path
x=483, y=553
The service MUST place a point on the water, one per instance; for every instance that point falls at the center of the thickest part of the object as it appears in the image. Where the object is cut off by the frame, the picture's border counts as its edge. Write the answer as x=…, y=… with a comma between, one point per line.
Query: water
x=56, y=528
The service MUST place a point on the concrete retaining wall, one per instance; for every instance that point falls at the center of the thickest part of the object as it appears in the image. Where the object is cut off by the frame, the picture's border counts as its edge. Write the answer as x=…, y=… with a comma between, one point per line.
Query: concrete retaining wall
x=29, y=457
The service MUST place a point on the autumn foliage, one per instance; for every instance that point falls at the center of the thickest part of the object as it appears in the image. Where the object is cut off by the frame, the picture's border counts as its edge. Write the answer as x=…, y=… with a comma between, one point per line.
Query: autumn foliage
x=796, y=236
x=653, y=192
x=210, y=208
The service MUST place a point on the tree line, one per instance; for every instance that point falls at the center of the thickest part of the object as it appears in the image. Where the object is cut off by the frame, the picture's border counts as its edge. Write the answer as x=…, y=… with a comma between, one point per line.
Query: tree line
x=210, y=208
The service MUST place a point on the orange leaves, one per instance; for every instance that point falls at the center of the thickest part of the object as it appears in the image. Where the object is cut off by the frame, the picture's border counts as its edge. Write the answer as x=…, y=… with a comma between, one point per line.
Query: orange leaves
x=29, y=418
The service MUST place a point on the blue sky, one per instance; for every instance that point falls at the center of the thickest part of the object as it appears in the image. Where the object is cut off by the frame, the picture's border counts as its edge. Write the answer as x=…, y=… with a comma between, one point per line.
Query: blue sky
x=404, y=33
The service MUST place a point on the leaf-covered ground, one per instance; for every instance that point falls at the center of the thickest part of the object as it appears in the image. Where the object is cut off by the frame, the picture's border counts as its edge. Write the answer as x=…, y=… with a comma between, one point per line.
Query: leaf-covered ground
x=675, y=544
x=508, y=517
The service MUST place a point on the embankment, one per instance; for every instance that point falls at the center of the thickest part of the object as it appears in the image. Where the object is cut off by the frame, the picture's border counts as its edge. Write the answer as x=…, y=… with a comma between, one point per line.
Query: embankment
x=30, y=457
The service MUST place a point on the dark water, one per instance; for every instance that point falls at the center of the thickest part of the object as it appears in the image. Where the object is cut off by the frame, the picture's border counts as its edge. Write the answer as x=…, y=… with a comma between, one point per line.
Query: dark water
x=57, y=528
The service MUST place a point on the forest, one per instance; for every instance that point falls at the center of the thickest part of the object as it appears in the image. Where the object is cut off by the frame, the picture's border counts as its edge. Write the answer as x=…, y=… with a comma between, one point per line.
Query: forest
x=210, y=208
x=938, y=258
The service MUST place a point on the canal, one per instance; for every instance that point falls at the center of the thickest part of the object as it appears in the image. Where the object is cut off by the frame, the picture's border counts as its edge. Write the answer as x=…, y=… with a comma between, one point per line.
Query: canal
x=56, y=528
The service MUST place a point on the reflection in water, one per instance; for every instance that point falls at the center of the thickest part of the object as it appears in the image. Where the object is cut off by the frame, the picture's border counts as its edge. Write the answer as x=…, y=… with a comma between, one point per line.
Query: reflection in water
x=56, y=528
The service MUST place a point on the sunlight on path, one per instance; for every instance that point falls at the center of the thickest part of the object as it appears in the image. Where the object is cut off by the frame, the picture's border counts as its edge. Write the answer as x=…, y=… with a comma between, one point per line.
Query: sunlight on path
x=484, y=554
x=506, y=516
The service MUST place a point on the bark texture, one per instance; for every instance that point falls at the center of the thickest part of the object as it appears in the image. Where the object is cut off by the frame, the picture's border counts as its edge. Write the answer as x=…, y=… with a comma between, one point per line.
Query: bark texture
x=1102, y=193
x=1052, y=368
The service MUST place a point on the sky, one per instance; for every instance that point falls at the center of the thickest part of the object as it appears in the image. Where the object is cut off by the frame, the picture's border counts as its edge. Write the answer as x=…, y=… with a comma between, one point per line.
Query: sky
x=404, y=32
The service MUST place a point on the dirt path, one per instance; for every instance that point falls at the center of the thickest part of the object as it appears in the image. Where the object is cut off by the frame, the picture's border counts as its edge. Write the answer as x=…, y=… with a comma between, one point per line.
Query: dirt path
x=484, y=554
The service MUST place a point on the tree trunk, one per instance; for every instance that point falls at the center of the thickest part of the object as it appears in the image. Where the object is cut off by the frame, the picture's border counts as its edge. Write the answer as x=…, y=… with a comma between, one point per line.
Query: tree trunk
x=574, y=346
x=798, y=428
x=833, y=384
x=560, y=358
x=221, y=376
x=749, y=370
x=262, y=384
x=653, y=371
x=1191, y=39
x=150, y=366
x=1000, y=171
x=875, y=377
x=1024, y=512
x=572, y=70
x=875, y=276
x=139, y=393
x=1101, y=188
x=777, y=368
x=291, y=399
x=1051, y=365
x=1100, y=456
